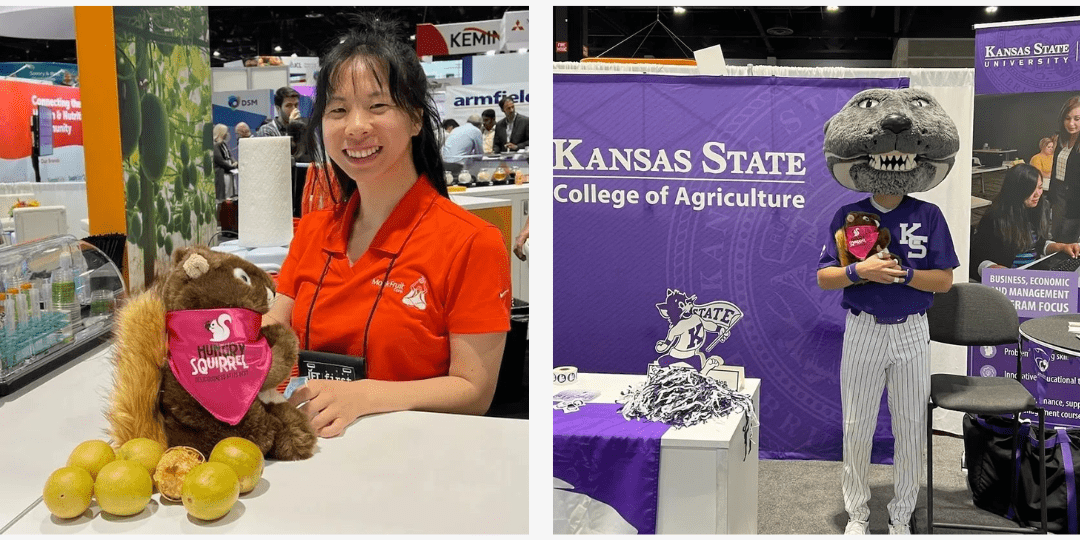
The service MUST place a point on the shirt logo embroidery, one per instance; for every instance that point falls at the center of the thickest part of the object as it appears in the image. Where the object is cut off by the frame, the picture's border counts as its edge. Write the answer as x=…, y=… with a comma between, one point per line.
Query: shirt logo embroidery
x=915, y=243
x=417, y=296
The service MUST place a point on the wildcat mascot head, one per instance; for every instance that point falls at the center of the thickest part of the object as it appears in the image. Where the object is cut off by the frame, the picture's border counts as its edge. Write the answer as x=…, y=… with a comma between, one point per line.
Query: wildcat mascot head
x=891, y=142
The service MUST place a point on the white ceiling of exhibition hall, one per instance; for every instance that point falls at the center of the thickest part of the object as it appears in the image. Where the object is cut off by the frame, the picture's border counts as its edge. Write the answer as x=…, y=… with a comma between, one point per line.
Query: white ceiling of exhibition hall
x=37, y=22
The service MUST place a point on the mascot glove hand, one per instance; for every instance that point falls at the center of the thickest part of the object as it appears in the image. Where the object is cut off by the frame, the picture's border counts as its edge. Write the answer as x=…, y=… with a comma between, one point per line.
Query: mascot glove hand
x=332, y=405
x=880, y=270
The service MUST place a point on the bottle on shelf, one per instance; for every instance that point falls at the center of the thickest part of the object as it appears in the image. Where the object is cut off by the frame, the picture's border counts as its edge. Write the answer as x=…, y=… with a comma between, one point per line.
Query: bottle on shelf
x=64, y=295
x=16, y=306
x=82, y=277
x=7, y=344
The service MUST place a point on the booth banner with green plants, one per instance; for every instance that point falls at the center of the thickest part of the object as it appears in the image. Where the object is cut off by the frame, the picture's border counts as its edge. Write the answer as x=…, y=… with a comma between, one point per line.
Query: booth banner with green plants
x=163, y=80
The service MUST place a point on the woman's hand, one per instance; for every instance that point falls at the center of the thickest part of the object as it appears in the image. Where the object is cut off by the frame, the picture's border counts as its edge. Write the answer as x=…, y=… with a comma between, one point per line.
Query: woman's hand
x=519, y=242
x=1073, y=250
x=333, y=405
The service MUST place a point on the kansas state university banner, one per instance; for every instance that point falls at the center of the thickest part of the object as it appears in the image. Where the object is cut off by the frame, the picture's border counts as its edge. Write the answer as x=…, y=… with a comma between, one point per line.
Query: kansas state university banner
x=698, y=206
x=1027, y=85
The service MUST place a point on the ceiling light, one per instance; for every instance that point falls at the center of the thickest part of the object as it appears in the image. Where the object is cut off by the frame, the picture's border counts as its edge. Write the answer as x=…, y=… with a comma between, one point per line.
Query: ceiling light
x=678, y=10
x=412, y=37
x=832, y=8
x=294, y=55
x=490, y=53
x=277, y=48
x=216, y=53
x=991, y=9
x=523, y=51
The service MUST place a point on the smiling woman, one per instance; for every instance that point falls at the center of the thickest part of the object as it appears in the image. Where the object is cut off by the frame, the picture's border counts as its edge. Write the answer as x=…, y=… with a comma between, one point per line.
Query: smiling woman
x=395, y=273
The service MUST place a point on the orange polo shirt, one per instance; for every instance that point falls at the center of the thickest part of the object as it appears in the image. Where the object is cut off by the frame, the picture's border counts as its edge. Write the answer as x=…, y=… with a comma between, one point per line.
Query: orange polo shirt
x=451, y=275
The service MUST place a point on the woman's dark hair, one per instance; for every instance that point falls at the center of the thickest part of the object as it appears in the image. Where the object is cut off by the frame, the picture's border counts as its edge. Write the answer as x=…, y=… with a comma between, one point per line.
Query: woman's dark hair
x=382, y=46
x=1063, y=136
x=1013, y=220
x=450, y=124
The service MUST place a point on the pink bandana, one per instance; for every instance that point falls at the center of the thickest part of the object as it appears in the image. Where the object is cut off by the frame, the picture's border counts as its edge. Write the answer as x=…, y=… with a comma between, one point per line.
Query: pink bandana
x=220, y=357
x=861, y=239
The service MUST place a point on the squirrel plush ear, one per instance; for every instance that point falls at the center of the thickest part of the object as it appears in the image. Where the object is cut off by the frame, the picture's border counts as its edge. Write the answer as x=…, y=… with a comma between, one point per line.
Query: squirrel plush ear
x=179, y=253
x=196, y=265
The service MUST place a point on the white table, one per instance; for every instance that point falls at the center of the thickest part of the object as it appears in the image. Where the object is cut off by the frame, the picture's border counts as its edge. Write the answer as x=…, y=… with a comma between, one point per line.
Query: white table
x=706, y=486
x=400, y=472
x=471, y=202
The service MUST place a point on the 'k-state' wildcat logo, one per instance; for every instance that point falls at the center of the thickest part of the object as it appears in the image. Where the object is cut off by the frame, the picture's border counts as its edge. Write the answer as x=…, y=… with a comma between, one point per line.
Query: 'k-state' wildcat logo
x=689, y=325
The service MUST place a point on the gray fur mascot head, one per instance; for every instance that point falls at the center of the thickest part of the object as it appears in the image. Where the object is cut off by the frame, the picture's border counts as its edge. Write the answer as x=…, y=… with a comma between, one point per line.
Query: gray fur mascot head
x=891, y=142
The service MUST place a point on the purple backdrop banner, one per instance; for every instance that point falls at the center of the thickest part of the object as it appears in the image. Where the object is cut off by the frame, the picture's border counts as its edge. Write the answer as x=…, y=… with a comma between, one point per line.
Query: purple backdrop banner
x=1027, y=58
x=716, y=188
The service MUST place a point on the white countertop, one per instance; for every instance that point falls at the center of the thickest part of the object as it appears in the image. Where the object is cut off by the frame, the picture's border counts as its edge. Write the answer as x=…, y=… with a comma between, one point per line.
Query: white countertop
x=494, y=191
x=470, y=202
x=714, y=434
x=399, y=472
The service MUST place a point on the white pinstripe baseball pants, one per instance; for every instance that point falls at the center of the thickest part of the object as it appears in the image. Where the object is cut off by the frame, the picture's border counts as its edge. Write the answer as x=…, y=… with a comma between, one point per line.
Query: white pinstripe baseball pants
x=876, y=356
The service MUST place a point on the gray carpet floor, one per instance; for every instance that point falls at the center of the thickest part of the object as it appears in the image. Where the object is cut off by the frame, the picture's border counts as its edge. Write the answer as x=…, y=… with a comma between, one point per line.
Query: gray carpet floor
x=803, y=497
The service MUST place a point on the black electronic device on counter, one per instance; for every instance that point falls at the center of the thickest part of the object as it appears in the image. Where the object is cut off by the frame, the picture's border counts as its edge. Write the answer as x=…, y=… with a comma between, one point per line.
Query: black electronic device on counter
x=335, y=367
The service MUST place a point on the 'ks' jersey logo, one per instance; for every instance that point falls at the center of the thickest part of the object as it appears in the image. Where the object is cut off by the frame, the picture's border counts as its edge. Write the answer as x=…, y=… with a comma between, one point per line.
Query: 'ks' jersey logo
x=916, y=243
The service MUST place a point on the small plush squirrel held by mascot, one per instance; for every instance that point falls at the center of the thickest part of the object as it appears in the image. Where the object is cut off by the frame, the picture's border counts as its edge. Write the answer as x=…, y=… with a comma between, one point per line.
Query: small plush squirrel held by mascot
x=193, y=366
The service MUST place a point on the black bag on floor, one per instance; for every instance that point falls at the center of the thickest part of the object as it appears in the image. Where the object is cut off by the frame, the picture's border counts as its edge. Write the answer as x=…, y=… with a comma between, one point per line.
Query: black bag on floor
x=991, y=464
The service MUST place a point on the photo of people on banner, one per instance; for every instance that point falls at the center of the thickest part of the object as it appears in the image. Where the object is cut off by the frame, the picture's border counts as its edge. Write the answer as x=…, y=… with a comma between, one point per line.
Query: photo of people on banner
x=1026, y=197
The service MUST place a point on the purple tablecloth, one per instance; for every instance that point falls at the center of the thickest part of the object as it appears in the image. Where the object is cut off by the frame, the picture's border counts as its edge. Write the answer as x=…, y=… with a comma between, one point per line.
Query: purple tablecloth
x=610, y=459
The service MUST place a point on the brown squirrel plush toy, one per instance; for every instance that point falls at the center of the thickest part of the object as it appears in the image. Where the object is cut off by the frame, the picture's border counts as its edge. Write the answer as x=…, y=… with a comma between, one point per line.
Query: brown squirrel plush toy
x=861, y=237
x=193, y=367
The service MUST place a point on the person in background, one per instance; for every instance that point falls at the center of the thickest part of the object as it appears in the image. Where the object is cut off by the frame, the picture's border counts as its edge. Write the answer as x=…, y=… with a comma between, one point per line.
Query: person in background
x=445, y=128
x=224, y=164
x=463, y=141
x=371, y=276
x=488, y=130
x=242, y=130
x=1044, y=160
x=287, y=102
x=1065, y=176
x=512, y=132
x=1016, y=228
x=301, y=160
x=521, y=243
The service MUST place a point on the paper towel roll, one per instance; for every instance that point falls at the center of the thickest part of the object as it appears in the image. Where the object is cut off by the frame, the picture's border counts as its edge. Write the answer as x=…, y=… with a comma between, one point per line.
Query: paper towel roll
x=265, y=213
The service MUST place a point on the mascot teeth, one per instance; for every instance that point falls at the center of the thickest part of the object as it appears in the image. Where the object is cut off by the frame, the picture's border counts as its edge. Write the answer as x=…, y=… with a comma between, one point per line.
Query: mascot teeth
x=892, y=161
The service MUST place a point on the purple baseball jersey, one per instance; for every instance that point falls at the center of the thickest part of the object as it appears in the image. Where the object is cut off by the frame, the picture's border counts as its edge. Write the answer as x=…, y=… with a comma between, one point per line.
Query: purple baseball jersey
x=920, y=239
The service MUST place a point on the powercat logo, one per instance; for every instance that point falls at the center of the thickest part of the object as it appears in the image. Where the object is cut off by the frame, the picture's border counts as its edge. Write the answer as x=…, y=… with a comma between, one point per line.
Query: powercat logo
x=689, y=326
x=472, y=36
x=1037, y=54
